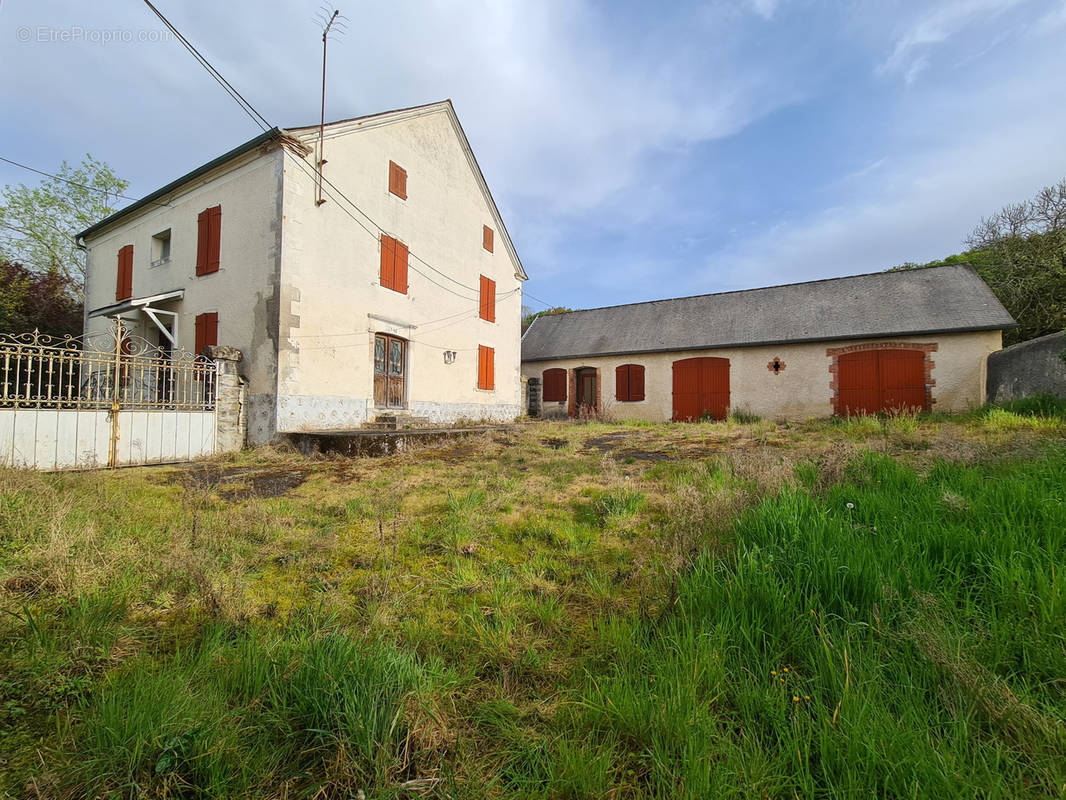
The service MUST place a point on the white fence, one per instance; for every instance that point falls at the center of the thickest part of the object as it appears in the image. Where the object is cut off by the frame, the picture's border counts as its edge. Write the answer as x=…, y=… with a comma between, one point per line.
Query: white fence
x=104, y=401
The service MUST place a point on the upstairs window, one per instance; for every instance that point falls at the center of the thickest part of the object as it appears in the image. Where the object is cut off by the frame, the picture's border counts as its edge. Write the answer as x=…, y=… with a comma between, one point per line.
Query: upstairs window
x=206, y=331
x=161, y=248
x=629, y=382
x=486, y=367
x=487, y=309
x=124, y=283
x=393, y=264
x=208, y=240
x=486, y=237
x=553, y=383
x=397, y=180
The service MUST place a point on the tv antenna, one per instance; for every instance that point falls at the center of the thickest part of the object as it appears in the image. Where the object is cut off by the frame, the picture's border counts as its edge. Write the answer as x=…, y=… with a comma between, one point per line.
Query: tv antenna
x=333, y=23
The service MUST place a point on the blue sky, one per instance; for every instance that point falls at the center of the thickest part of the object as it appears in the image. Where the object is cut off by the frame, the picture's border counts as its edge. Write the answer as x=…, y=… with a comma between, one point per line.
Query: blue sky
x=637, y=150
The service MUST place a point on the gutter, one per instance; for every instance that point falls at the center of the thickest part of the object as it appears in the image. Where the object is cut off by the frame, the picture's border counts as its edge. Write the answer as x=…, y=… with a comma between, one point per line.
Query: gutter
x=251, y=144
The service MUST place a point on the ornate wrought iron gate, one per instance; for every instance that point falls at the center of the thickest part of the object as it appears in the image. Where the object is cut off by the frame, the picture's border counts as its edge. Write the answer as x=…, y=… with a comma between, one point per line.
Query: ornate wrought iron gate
x=108, y=399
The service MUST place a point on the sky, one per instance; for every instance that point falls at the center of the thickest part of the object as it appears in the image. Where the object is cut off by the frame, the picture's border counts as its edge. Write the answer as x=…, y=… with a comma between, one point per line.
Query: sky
x=637, y=150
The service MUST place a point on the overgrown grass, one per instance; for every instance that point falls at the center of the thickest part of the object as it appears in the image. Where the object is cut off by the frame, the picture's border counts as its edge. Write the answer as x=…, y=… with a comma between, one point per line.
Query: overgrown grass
x=719, y=609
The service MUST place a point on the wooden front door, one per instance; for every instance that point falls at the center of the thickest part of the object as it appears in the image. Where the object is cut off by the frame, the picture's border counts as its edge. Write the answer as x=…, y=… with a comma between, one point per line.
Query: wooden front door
x=390, y=371
x=586, y=388
x=701, y=389
x=872, y=381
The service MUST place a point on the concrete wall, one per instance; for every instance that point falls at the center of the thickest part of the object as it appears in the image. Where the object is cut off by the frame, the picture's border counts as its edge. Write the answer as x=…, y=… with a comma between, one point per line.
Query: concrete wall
x=800, y=391
x=1028, y=368
x=243, y=291
x=333, y=304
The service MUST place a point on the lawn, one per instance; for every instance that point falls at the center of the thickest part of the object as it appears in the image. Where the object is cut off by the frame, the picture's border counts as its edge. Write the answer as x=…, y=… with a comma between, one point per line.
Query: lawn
x=868, y=607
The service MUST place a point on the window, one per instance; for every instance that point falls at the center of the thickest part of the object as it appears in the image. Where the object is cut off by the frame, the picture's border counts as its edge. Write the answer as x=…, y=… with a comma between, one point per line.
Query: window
x=161, y=248
x=554, y=386
x=208, y=240
x=486, y=238
x=629, y=382
x=397, y=180
x=487, y=308
x=206, y=331
x=393, y=264
x=124, y=282
x=486, y=367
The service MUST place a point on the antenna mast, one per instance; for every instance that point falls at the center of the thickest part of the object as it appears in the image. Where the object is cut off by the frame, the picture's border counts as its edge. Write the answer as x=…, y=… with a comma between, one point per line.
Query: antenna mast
x=326, y=19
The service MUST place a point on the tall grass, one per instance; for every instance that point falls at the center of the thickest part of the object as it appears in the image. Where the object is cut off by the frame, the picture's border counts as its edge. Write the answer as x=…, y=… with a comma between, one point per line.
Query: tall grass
x=900, y=636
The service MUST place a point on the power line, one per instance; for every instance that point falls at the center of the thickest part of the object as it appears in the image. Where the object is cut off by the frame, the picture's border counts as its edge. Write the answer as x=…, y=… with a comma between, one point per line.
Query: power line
x=263, y=123
x=75, y=183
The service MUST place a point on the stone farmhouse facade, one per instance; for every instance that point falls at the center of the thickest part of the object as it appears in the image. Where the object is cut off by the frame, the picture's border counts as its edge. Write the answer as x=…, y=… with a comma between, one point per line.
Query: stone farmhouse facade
x=389, y=289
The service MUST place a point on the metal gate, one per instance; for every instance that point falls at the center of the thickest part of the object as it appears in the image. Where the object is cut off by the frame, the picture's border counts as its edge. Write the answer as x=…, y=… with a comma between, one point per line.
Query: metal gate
x=103, y=400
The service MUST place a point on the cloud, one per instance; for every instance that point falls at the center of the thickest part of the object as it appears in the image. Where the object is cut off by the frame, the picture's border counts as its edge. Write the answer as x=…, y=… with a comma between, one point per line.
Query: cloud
x=911, y=54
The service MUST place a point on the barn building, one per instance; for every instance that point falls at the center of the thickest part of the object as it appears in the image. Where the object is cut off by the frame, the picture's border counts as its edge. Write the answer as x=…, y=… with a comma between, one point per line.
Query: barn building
x=909, y=339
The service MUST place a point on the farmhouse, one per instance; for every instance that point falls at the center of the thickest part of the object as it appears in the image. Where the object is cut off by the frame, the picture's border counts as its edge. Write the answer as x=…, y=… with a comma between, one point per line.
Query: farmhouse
x=910, y=339
x=389, y=290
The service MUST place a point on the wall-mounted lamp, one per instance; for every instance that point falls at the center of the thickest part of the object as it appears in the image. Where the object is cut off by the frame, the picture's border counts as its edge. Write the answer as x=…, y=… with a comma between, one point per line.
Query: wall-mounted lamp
x=449, y=356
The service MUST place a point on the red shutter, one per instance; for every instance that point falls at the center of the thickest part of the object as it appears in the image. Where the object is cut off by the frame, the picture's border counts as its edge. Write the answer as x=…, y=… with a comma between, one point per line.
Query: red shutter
x=214, y=238
x=400, y=277
x=621, y=382
x=553, y=385
x=124, y=276
x=636, y=382
x=393, y=264
x=203, y=233
x=397, y=180
x=206, y=330
x=487, y=308
x=486, y=367
x=486, y=238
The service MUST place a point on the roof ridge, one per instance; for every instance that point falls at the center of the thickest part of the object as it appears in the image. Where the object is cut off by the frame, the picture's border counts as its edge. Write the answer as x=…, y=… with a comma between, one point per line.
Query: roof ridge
x=888, y=271
x=361, y=117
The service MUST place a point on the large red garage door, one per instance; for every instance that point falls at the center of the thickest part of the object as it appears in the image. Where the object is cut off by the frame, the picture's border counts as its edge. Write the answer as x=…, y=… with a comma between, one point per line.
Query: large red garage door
x=872, y=381
x=701, y=388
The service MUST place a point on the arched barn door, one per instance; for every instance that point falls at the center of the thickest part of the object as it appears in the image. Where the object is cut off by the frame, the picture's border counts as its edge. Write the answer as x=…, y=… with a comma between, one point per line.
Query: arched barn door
x=872, y=381
x=701, y=388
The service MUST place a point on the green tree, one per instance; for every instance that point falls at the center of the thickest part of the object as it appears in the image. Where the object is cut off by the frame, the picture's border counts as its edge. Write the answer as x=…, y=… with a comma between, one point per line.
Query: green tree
x=1020, y=252
x=528, y=314
x=42, y=301
x=38, y=223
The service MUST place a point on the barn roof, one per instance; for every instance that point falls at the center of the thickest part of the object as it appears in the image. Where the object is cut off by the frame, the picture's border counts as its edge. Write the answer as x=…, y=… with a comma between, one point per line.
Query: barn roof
x=902, y=303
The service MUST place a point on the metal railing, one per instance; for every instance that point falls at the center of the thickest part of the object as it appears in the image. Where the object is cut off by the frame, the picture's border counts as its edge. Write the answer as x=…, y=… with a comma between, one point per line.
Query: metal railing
x=112, y=370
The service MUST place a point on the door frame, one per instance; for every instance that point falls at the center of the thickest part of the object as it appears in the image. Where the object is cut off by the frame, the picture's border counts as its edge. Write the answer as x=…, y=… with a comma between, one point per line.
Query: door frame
x=927, y=348
x=404, y=375
x=577, y=398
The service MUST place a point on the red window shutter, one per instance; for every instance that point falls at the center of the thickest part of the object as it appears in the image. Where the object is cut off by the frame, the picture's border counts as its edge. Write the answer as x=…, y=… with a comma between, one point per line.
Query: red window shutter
x=486, y=238
x=400, y=277
x=621, y=382
x=206, y=330
x=636, y=382
x=124, y=277
x=214, y=238
x=486, y=368
x=487, y=308
x=397, y=180
x=203, y=233
x=553, y=385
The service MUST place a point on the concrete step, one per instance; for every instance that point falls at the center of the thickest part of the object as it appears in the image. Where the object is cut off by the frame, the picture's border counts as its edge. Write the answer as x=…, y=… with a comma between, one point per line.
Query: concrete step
x=396, y=422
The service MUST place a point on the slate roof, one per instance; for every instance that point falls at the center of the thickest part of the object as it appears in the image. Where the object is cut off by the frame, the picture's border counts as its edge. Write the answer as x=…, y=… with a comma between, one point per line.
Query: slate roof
x=904, y=303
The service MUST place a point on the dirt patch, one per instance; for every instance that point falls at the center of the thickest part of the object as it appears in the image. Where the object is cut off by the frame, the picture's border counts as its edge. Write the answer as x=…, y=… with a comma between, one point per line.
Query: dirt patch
x=242, y=483
x=24, y=584
x=553, y=443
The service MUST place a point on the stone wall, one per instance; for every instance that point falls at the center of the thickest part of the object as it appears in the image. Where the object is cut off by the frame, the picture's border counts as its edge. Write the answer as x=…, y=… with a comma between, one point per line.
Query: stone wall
x=1028, y=368
x=231, y=410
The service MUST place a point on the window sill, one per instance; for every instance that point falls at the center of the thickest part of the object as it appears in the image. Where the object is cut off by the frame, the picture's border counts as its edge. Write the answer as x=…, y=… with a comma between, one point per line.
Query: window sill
x=162, y=262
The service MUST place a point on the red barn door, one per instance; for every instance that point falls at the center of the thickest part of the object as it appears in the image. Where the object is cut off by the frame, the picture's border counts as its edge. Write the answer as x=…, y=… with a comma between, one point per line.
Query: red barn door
x=872, y=381
x=701, y=388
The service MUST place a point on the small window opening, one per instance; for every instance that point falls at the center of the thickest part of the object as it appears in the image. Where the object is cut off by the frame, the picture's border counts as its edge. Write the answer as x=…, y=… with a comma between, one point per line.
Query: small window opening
x=776, y=366
x=161, y=248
